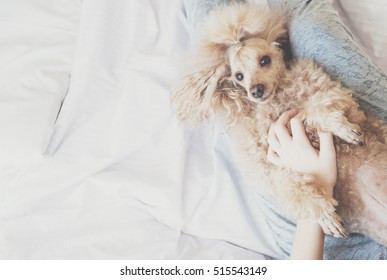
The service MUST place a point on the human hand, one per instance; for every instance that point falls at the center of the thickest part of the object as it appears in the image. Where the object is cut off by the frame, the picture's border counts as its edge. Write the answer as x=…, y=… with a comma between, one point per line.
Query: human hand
x=297, y=153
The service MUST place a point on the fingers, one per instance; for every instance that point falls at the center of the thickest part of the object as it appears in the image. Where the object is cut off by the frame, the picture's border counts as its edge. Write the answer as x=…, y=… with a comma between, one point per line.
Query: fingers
x=298, y=129
x=327, y=146
x=273, y=141
x=280, y=127
x=273, y=157
x=274, y=149
x=278, y=136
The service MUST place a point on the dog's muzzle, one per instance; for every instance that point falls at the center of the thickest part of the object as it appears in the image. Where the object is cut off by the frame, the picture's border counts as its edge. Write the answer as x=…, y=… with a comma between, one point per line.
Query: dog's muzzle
x=258, y=91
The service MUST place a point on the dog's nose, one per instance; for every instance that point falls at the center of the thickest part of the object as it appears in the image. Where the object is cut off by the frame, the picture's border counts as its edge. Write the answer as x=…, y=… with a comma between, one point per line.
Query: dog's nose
x=258, y=91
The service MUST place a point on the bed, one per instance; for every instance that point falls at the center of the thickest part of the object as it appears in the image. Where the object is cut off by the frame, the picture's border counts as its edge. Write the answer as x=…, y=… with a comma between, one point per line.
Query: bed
x=93, y=164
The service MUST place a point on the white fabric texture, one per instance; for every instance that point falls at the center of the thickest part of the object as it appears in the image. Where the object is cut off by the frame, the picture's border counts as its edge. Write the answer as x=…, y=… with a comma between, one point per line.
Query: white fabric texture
x=37, y=44
x=120, y=178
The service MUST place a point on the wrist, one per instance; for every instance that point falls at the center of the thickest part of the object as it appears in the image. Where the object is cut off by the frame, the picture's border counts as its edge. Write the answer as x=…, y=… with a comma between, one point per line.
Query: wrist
x=327, y=186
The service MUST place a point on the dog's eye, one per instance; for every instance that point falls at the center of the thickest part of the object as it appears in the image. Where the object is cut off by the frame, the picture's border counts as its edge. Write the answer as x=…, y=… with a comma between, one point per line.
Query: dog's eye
x=265, y=60
x=239, y=76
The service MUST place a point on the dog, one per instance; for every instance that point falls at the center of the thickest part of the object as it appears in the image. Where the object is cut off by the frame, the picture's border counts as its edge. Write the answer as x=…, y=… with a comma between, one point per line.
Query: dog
x=242, y=74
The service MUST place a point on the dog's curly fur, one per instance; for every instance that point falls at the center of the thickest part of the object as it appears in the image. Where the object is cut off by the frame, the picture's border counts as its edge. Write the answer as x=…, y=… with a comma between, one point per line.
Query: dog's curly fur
x=231, y=79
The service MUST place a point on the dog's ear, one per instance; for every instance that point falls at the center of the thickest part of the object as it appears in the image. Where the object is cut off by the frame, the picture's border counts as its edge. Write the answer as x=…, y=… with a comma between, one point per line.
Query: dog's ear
x=192, y=96
x=283, y=43
x=278, y=32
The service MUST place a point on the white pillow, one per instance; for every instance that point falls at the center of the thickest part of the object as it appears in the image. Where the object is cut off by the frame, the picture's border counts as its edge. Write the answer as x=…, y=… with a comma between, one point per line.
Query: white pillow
x=37, y=44
x=367, y=22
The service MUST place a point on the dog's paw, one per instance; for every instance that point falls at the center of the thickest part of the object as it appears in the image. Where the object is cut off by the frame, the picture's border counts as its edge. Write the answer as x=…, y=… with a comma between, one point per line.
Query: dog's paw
x=332, y=224
x=351, y=133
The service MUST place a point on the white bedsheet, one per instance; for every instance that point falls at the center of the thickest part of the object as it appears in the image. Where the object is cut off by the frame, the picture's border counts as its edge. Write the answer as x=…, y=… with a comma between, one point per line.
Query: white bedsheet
x=120, y=179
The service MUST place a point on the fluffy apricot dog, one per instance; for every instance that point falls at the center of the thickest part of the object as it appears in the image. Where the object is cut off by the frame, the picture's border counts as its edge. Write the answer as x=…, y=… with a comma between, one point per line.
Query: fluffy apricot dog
x=242, y=75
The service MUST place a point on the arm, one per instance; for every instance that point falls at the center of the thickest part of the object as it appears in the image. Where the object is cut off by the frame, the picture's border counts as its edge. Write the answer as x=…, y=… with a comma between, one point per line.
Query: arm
x=295, y=152
x=308, y=243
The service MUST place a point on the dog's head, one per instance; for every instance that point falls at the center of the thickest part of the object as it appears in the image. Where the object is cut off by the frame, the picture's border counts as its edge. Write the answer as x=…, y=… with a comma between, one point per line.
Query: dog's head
x=257, y=64
x=237, y=63
x=259, y=59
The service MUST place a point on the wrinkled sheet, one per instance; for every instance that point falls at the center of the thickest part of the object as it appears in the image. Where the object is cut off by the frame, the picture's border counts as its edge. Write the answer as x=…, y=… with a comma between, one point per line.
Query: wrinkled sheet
x=120, y=179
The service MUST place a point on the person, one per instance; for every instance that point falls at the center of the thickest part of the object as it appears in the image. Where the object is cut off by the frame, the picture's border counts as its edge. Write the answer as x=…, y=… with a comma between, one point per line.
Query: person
x=295, y=151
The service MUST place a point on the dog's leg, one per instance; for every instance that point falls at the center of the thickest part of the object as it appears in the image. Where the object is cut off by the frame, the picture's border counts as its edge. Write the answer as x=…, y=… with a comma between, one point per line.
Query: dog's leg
x=342, y=128
x=333, y=109
x=304, y=199
x=332, y=224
